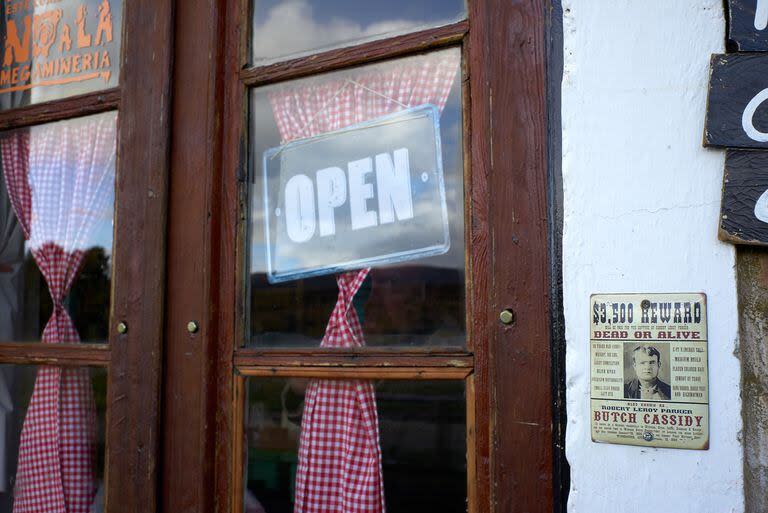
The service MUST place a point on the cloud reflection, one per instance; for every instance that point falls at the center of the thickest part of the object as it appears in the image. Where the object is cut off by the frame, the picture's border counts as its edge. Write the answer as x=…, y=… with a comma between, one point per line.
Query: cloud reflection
x=292, y=27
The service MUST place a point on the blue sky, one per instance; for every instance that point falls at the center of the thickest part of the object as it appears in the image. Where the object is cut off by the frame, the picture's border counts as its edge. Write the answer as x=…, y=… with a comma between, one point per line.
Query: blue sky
x=288, y=28
x=366, y=12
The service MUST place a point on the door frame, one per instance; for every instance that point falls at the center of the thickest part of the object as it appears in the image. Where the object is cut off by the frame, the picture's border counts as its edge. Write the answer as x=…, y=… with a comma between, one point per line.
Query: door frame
x=507, y=193
x=133, y=357
x=138, y=287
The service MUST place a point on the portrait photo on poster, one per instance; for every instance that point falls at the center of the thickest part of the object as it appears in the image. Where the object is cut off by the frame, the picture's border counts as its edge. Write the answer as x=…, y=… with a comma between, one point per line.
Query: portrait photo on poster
x=646, y=371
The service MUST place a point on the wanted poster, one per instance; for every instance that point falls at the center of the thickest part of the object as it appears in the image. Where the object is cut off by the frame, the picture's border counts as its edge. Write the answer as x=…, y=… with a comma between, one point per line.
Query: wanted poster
x=648, y=370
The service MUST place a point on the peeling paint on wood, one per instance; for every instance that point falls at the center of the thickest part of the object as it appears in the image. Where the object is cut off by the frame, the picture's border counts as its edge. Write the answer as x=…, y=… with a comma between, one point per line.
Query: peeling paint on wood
x=737, y=115
x=747, y=28
x=742, y=217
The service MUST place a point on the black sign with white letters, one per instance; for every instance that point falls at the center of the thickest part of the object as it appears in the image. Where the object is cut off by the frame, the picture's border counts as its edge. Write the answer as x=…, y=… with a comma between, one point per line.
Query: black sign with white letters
x=748, y=24
x=737, y=118
x=737, y=111
x=744, y=215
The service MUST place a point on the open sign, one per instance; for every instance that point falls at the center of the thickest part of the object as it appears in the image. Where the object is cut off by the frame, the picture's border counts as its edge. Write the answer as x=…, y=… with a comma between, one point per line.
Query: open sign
x=367, y=195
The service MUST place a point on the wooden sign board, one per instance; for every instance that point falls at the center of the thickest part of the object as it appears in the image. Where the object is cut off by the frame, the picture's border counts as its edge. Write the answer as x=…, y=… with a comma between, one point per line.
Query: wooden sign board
x=744, y=211
x=748, y=25
x=55, y=49
x=370, y=194
x=737, y=111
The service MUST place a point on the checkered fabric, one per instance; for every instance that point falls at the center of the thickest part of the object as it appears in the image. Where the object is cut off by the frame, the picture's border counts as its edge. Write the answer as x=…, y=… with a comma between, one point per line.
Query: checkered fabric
x=60, y=178
x=322, y=104
x=14, y=151
x=339, y=453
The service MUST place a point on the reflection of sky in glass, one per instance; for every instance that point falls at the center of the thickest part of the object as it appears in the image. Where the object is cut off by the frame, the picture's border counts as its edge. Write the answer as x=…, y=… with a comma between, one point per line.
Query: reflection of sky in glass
x=72, y=183
x=414, y=303
x=265, y=136
x=71, y=175
x=285, y=27
x=102, y=234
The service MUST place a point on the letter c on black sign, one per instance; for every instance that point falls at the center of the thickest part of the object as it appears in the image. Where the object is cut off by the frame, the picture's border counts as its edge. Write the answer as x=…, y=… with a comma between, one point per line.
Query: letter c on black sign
x=747, y=122
x=761, y=207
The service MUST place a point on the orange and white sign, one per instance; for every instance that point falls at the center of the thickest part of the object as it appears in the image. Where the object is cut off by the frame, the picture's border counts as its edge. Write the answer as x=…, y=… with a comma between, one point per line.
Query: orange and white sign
x=73, y=44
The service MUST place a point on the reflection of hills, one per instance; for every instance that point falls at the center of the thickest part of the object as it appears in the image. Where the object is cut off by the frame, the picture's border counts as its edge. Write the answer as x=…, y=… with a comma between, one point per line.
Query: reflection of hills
x=404, y=305
x=87, y=302
x=422, y=432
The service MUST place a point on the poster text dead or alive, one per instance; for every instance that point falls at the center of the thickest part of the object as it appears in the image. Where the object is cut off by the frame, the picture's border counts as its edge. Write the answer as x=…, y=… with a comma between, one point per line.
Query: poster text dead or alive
x=46, y=45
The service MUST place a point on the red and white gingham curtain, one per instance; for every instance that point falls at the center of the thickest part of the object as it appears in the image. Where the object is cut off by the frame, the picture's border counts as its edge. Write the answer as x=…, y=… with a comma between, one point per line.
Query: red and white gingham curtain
x=325, y=105
x=60, y=178
x=339, y=467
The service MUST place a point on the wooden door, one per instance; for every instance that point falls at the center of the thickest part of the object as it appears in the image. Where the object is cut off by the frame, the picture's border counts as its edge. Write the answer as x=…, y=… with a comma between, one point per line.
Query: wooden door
x=85, y=124
x=231, y=335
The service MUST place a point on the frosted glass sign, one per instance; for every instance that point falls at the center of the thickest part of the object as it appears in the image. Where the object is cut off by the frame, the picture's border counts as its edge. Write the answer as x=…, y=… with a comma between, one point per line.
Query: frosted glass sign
x=369, y=194
x=58, y=48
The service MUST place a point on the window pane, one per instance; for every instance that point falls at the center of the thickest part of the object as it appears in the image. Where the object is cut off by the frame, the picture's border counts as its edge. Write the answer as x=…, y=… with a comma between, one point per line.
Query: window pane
x=410, y=297
x=80, y=453
x=290, y=28
x=422, y=427
x=56, y=211
x=56, y=49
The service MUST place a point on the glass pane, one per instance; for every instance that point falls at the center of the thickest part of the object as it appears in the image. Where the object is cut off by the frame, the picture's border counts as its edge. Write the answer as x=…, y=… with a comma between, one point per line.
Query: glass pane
x=422, y=435
x=418, y=301
x=291, y=28
x=78, y=456
x=56, y=207
x=55, y=49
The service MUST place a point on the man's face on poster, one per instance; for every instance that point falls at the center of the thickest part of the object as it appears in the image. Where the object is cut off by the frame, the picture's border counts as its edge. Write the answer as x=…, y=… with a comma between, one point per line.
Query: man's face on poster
x=646, y=366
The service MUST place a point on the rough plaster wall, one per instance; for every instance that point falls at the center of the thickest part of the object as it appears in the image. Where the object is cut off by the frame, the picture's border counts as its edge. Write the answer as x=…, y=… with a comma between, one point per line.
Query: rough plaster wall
x=641, y=202
x=753, y=306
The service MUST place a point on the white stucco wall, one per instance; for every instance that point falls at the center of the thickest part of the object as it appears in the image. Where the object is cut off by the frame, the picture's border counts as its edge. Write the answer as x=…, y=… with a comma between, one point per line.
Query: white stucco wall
x=641, y=206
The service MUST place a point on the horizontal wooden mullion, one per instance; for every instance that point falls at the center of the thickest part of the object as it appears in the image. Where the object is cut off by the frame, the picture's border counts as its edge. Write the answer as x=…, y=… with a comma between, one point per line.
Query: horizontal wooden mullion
x=359, y=54
x=369, y=357
x=58, y=110
x=395, y=373
x=355, y=357
x=65, y=355
x=353, y=351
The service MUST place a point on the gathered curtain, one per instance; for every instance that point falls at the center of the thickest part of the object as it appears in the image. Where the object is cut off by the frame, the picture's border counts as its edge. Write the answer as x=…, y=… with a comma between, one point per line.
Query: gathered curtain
x=339, y=469
x=60, y=178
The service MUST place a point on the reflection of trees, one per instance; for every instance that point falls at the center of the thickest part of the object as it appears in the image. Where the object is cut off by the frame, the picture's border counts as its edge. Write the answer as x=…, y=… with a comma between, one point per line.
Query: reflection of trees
x=38, y=306
x=300, y=307
x=398, y=305
x=87, y=303
x=88, y=300
x=422, y=429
